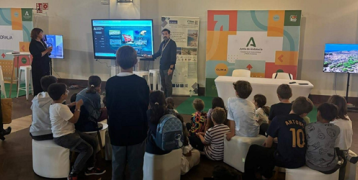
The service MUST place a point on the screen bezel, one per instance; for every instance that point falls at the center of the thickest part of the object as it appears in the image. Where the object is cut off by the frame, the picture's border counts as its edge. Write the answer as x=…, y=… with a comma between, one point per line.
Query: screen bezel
x=103, y=57
x=63, y=54
x=324, y=57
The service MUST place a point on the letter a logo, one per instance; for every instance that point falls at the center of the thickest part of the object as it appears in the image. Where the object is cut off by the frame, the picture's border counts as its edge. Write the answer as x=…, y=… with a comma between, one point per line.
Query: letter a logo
x=253, y=44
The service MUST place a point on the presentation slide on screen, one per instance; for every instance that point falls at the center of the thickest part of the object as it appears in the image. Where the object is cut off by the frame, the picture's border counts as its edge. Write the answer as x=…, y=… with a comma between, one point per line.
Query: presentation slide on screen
x=109, y=35
x=56, y=42
x=341, y=58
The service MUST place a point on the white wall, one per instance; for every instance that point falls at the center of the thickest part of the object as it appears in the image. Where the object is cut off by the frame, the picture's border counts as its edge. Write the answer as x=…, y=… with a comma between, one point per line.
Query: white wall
x=329, y=21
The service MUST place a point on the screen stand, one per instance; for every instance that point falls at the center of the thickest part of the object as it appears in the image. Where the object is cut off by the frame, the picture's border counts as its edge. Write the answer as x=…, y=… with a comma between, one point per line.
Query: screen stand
x=51, y=66
x=350, y=107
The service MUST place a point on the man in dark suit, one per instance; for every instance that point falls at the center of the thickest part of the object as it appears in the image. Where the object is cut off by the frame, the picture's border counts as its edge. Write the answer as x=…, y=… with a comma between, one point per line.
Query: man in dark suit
x=167, y=53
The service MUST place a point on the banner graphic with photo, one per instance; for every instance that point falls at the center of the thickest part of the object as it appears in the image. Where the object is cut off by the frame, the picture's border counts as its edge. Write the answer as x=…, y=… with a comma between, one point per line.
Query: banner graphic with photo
x=264, y=42
x=185, y=32
x=15, y=28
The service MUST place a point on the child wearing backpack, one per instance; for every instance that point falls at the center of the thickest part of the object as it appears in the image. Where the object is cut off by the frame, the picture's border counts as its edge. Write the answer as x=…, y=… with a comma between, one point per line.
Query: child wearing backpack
x=158, y=110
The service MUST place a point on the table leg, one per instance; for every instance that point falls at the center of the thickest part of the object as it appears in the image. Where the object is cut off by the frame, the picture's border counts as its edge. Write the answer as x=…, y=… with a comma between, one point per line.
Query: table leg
x=17, y=71
x=155, y=80
x=12, y=76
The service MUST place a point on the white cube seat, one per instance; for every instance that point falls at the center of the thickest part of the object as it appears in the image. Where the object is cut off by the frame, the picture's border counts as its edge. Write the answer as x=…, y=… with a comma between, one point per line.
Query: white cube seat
x=306, y=173
x=162, y=167
x=236, y=149
x=50, y=160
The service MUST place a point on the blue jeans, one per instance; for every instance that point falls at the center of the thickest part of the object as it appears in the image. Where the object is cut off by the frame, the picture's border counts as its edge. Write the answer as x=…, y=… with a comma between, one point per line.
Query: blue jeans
x=133, y=155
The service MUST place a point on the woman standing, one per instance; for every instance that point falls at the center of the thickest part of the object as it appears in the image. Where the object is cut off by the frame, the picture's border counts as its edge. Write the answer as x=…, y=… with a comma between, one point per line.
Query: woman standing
x=41, y=60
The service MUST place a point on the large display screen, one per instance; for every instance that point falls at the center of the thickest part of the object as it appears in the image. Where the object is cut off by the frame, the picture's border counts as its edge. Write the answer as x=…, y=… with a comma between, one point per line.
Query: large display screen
x=109, y=35
x=341, y=58
x=56, y=42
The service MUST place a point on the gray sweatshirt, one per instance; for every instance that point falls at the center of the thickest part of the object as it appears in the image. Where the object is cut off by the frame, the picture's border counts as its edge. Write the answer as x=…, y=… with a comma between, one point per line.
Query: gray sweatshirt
x=41, y=124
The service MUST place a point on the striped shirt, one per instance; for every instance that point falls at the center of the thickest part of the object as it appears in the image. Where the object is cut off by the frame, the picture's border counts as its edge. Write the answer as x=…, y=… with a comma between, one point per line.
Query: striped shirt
x=215, y=138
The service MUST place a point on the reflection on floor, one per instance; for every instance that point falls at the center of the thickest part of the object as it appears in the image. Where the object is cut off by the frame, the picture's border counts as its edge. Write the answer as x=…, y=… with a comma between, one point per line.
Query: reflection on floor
x=20, y=123
x=16, y=150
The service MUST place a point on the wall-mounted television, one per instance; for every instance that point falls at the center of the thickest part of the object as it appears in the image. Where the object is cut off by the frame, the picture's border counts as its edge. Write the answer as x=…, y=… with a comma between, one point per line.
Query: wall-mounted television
x=341, y=58
x=111, y=34
x=56, y=42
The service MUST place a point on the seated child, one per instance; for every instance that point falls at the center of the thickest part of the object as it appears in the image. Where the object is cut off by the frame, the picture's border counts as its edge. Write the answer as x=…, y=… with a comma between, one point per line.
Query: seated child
x=64, y=134
x=170, y=104
x=91, y=98
x=40, y=128
x=73, y=100
x=284, y=93
x=241, y=112
x=262, y=112
x=198, y=119
x=156, y=111
x=321, y=138
x=190, y=157
x=291, y=148
x=213, y=139
x=217, y=102
x=197, y=124
x=344, y=140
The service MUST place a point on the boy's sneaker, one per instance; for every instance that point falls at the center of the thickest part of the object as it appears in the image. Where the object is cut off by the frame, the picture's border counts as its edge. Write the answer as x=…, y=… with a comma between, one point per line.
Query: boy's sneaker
x=72, y=177
x=95, y=171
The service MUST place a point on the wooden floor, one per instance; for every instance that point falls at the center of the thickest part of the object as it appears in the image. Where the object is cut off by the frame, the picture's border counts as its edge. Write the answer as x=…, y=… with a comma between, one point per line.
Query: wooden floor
x=16, y=150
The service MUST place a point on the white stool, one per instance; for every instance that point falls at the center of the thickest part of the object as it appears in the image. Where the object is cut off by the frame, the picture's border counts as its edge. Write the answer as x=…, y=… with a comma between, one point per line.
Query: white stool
x=236, y=149
x=2, y=82
x=28, y=81
x=306, y=173
x=162, y=167
x=142, y=74
x=156, y=79
x=50, y=160
x=102, y=133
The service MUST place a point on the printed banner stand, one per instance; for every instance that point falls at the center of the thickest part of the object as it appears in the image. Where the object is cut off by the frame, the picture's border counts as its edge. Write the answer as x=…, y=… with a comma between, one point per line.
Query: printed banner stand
x=264, y=42
x=15, y=27
x=185, y=32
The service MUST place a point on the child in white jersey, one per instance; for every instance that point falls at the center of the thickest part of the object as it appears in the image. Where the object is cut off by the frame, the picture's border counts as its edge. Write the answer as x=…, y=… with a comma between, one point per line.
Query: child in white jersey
x=344, y=140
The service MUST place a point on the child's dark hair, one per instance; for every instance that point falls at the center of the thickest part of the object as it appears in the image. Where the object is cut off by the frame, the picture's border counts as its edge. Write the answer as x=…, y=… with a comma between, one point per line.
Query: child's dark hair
x=341, y=104
x=126, y=57
x=328, y=111
x=93, y=83
x=157, y=105
x=221, y=173
x=302, y=105
x=219, y=115
x=46, y=81
x=198, y=104
x=217, y=102
x=243, y=89
x=284, y=91
x=170, y=102
x=56, y=90
x=261, y=102
x=73, y=98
